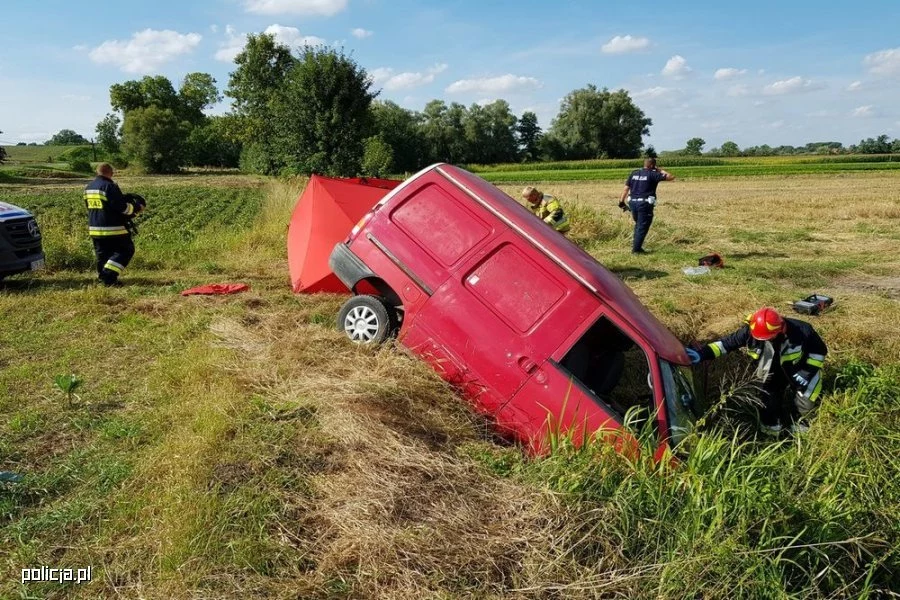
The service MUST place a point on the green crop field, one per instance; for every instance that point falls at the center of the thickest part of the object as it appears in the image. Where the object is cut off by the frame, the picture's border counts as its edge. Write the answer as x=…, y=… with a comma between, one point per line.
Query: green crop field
x=37, y=154
x=238, y=446
x=691, y=167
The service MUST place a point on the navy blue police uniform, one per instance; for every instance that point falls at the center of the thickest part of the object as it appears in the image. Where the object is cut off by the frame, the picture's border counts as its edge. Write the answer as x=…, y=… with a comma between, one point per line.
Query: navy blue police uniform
x=642, y=185
x=109, y=212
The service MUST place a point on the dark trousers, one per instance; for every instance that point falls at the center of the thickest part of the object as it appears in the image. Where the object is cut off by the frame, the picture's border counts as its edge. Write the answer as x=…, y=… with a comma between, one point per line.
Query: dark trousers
x=113, y=253
x=642, y=213
x=777, y=408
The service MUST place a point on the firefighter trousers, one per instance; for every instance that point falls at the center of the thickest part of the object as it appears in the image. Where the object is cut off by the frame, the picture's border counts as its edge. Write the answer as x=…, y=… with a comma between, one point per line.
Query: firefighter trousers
x=782, y=402
x=113, y=255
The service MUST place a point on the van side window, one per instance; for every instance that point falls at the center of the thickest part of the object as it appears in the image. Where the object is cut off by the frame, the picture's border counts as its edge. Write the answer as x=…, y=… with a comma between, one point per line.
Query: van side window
x=519, y=291
x=612, y=367
x=439, y=224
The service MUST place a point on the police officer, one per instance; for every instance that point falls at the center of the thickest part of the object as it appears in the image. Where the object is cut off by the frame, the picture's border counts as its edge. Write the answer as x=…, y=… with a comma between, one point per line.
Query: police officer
x=789, y=354
x=109, y=214
x=641, y=186
x=547, y=208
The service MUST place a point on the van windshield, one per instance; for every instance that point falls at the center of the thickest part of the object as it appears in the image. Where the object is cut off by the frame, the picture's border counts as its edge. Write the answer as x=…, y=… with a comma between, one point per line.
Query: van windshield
x=681, y=400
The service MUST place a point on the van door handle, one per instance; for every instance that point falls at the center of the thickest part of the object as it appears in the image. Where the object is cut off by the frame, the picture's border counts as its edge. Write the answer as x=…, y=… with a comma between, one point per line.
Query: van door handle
x=527, y=365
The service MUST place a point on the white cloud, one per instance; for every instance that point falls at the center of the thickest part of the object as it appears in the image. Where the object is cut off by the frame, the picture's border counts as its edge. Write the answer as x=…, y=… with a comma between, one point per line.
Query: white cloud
x=885, y=62
x=360, y=33
x=494, y=85
x=324, y=8
x=728, y=73
x=794, y=85
x=214, y=28
x=622, y=44
x=393, y=81
x=289, y=36
x=822, y=114
x=738, y=90
x=676, y=67
x=863, y=112
x=146, y=51
x=79, y=48
x=654, y=92
x=854, y=86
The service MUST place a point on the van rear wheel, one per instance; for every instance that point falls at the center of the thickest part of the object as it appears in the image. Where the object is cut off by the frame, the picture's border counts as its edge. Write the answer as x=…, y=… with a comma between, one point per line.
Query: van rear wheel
x=366, y=319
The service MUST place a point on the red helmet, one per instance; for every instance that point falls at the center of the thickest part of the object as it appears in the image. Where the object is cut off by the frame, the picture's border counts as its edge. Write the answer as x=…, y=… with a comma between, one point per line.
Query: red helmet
x=766, y=324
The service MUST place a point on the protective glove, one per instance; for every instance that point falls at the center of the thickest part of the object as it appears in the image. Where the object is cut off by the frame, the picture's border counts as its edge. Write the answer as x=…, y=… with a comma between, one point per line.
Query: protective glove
x=801, y=379
x=623, y=206
x=693, y=355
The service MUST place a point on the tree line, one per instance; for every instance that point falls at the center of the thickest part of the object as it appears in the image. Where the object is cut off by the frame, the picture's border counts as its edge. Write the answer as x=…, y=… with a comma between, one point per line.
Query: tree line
x=879, y=145
x=314, y=110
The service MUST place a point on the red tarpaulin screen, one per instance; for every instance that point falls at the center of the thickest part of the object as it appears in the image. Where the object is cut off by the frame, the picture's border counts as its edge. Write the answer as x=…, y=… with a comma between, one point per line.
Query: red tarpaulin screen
x=325, y=213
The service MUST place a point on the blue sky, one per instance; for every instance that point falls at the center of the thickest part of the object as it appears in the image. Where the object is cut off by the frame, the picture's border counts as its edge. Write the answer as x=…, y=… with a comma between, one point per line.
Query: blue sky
x=785, y=72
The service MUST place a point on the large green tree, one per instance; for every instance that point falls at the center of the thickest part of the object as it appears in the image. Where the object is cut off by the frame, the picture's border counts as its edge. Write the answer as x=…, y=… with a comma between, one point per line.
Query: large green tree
x=321, y=113
x=400, y=129
x=730, y=148
x=108, y=136
x=67, y=137
x=694, y=147
x=262, y=67
x=3, y=154
x=155, y=138
x=594, y=123
x=178, y=113
x=529, y=135
x=443, y=128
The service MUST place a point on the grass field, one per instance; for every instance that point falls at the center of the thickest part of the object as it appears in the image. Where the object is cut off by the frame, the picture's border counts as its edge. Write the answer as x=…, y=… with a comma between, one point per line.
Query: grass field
x=238, y=447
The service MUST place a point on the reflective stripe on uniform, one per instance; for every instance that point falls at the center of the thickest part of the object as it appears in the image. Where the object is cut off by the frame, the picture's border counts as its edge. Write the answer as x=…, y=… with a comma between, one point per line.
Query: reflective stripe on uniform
x=814, y=388
x=129, y=209
x=815, y=360
x=114, y=266
x=753, y=354
x=106, y=231
x=793, y=357
x=718, y=349
x=94, y=199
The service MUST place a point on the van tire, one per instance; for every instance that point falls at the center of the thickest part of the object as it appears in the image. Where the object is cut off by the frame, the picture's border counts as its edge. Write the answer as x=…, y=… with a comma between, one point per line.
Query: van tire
x=366, y=320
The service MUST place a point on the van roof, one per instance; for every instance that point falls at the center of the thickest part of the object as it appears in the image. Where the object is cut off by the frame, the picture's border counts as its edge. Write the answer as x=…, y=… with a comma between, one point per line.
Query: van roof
x=568, y=255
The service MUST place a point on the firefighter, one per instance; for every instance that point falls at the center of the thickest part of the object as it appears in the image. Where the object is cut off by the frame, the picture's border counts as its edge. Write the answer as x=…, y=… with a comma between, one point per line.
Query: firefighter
x=789, y=355
x=641, y=187
x=547, y=208
x=109, y=215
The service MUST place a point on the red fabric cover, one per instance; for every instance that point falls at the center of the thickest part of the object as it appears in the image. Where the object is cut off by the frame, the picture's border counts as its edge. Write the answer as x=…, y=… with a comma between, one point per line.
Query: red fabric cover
x=325, y=213
x=215, y=289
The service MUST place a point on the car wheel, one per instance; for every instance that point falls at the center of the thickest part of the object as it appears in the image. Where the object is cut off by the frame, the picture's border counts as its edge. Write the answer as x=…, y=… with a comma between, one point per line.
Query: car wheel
x=366, y=320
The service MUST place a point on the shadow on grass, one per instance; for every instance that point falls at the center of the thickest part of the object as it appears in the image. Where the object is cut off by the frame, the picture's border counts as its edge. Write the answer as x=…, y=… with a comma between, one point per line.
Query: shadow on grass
x=75, y=283
x=631, y=273
x=756, y=255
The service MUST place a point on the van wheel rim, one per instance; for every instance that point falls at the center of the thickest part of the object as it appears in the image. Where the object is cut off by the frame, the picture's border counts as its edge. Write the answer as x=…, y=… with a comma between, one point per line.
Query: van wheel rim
x=361, y=324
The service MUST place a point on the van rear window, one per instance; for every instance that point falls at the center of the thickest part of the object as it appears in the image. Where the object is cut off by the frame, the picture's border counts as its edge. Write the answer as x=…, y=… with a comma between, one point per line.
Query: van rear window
x=439, y=224
x=514, y=287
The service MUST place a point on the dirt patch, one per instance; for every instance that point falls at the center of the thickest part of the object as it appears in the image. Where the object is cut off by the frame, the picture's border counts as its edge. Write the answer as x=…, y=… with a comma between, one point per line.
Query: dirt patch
x=888, y=287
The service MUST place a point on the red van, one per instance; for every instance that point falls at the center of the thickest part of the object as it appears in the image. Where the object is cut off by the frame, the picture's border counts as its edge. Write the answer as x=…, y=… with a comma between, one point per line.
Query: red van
x=536, y=333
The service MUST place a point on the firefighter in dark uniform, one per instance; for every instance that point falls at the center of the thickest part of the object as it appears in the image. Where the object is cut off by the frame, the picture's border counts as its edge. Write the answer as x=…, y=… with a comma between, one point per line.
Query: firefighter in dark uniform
x=109, y=219
x=789, y=355
x=641, y=186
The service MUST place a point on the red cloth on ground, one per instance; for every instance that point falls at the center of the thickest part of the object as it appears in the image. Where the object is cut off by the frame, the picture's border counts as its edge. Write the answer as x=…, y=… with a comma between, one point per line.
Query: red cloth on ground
x=215, y=289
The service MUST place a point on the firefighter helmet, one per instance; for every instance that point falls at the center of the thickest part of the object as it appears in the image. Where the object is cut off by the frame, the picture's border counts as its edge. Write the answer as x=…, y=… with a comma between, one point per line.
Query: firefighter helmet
x=766, y=324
